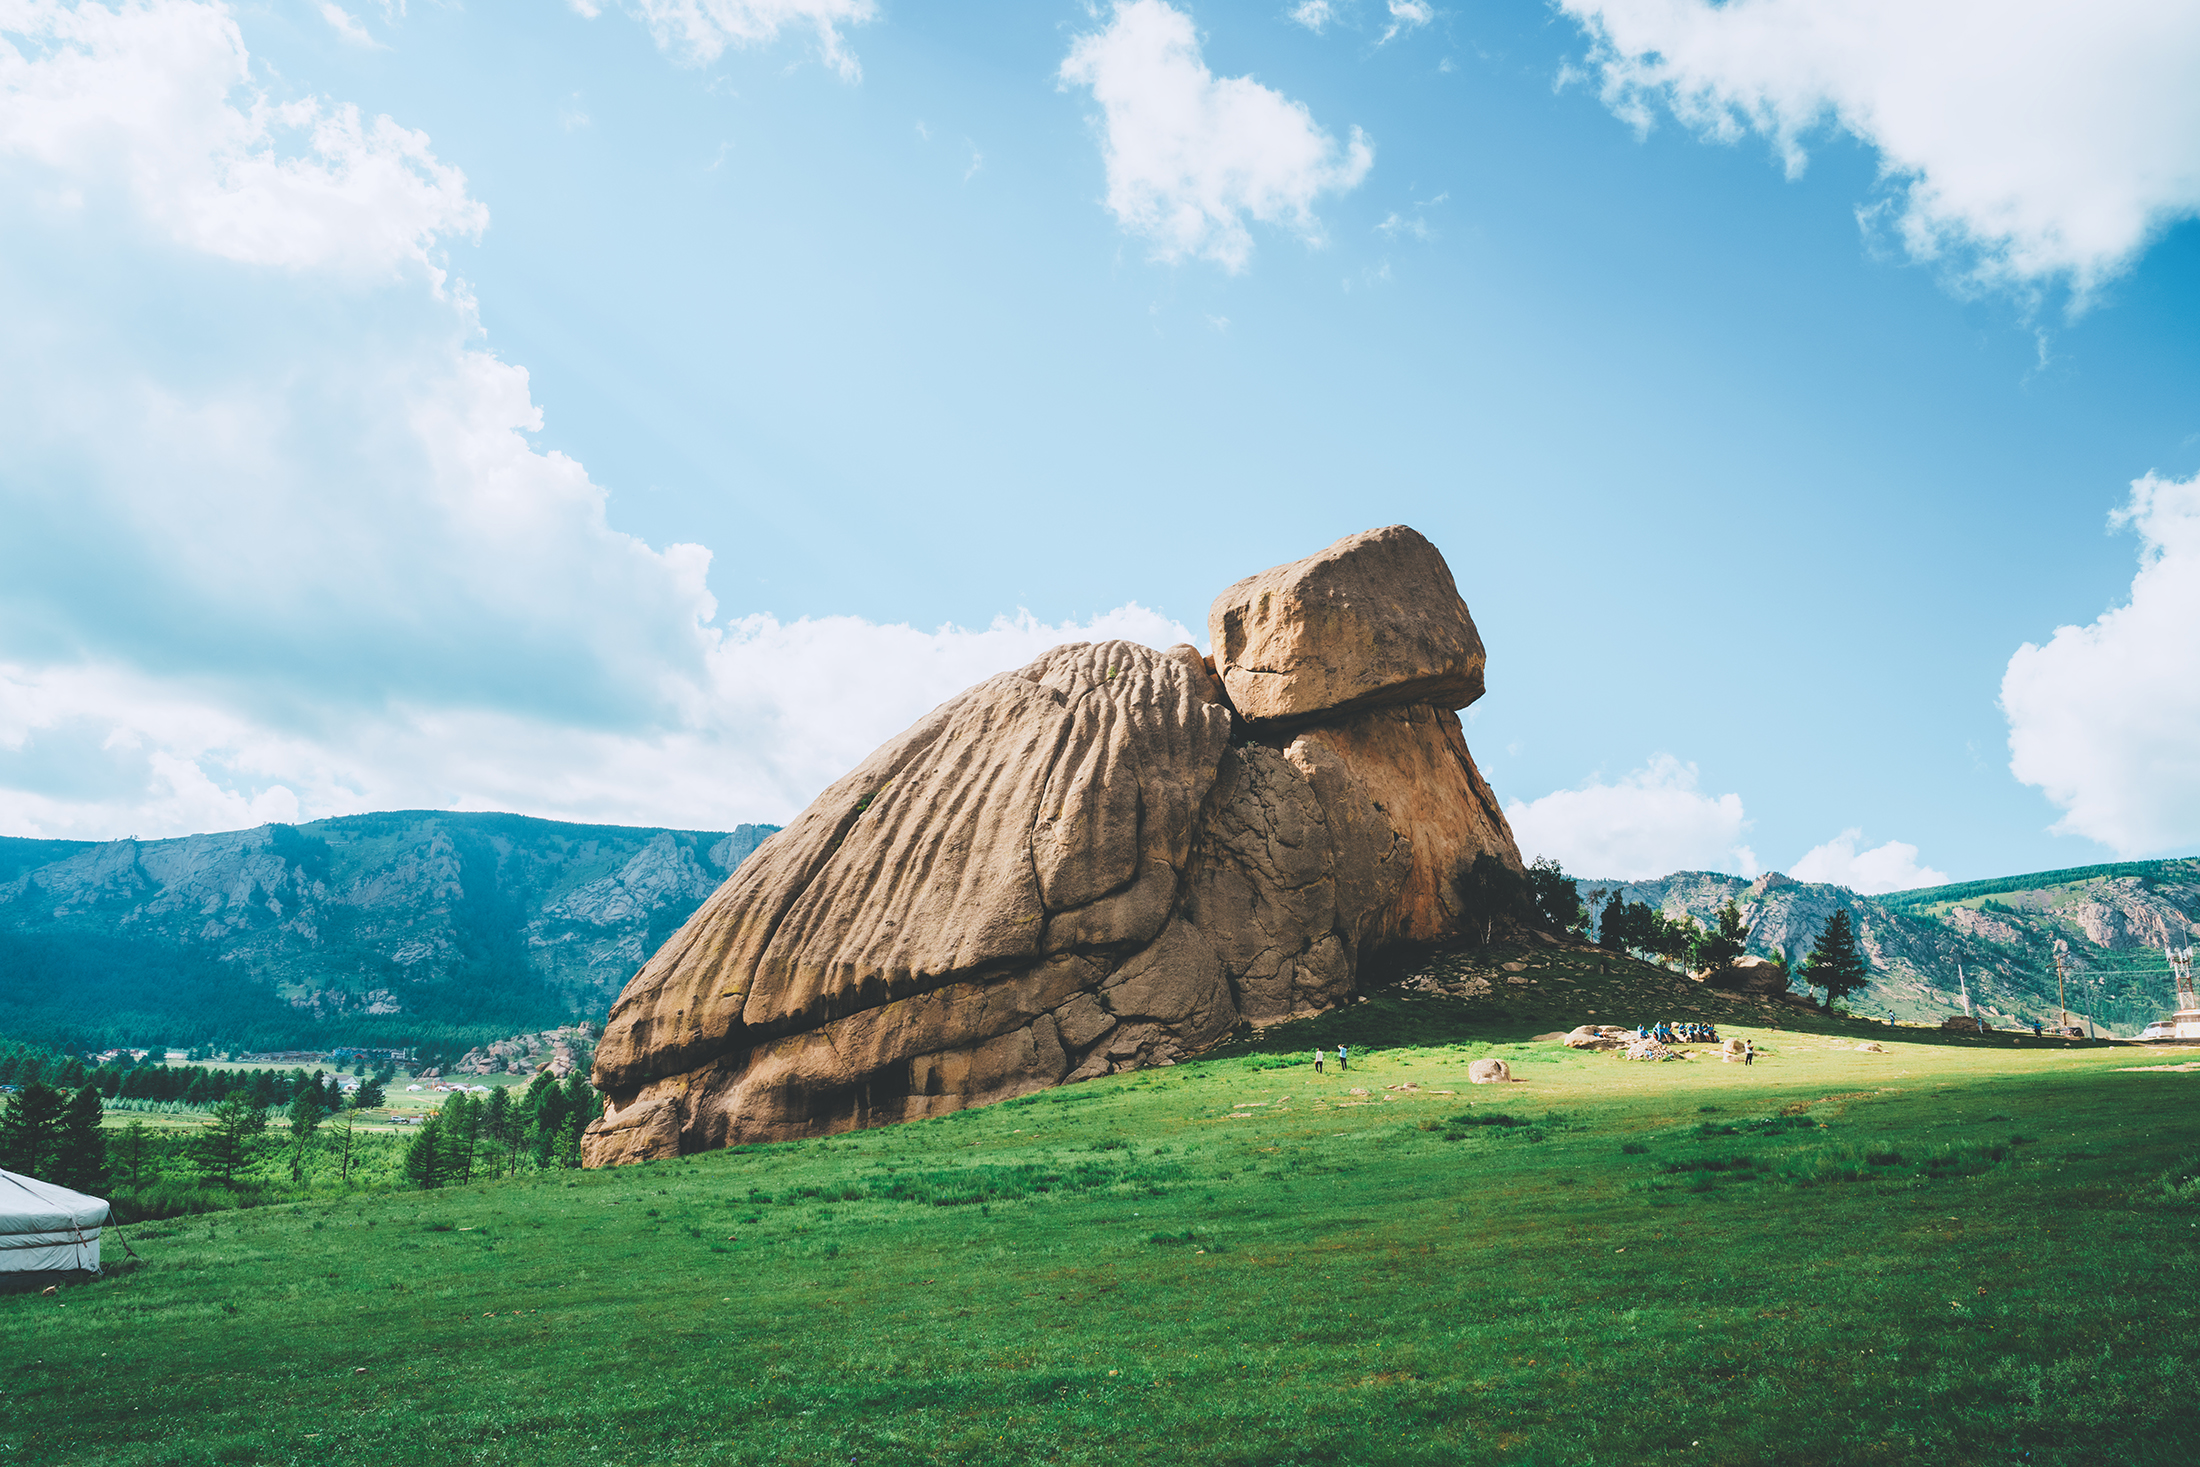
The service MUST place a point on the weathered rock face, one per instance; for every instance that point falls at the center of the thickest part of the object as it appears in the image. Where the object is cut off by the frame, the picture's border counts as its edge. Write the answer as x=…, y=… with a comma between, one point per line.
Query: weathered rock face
x=1373, y=620
x=1091, y=864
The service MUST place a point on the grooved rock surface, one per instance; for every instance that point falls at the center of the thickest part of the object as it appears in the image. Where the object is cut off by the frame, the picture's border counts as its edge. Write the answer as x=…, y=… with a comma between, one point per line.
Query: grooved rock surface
x=1413, y=766
x=1373, y=620
x=1088, y=865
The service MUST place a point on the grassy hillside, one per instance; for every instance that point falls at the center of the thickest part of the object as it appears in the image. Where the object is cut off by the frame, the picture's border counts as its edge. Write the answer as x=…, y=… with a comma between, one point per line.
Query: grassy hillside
x=1955, y=1252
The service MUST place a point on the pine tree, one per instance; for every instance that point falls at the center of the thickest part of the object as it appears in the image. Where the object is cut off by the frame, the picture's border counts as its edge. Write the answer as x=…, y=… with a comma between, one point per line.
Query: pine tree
x=31, y=1129
x=461, y=1131
x=1556, y=899
x=499, y=1126
x=424, y=1159
x=130, y=1154
x=343, y=1129
x=303, y=1119
x=1834, y=963
x=81, y=1164
x=226, y=1143
x=1723, y=943
x=369, y=1094
x=546, y=1102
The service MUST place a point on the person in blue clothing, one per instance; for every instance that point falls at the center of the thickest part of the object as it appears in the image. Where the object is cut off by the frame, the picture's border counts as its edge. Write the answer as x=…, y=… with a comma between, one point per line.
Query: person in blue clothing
x=1343, y=1059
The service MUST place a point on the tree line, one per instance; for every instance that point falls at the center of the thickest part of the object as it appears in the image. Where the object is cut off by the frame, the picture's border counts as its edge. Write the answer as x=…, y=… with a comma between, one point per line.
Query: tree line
x=251, y=1149
x=1494, y=897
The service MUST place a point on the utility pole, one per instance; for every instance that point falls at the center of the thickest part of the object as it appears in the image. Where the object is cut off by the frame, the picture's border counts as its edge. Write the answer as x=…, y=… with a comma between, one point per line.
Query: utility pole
x=2187, y=1019
x=1966, y=988
x=2061, y=947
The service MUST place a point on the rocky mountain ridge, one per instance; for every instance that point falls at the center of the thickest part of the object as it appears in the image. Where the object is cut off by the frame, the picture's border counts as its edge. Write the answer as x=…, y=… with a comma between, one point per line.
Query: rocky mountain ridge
x=2000, y=933
x=402, y=924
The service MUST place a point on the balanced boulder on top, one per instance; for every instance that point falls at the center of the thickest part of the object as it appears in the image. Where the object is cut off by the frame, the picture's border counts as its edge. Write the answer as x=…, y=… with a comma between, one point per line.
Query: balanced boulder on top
x=1094, y=863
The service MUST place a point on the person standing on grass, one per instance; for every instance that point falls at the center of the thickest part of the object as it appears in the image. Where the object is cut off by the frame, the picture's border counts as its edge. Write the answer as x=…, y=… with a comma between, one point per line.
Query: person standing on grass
x=1317, y=1061
x=1749, y=1052
x=1342, y=1063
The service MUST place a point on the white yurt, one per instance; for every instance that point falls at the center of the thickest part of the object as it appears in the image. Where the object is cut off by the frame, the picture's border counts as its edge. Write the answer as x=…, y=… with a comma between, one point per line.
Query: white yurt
x=47, y=1234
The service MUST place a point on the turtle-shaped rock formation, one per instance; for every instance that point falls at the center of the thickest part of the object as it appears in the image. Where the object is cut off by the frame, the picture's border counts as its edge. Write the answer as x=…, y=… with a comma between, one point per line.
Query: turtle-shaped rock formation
x=1111, y=858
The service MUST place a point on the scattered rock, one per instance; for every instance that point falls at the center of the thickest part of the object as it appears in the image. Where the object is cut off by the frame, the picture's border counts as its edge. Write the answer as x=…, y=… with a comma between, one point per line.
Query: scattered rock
x=1650, y=1049
x=1596, y=1036
x=1871, y=1047
x=1489, y=1072
x=1080, y=867
x=1554, y=1036
x=1961, y=1024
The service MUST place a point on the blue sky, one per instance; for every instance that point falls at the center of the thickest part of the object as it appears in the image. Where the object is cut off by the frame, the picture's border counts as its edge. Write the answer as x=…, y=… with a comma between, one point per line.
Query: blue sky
x=637, y=415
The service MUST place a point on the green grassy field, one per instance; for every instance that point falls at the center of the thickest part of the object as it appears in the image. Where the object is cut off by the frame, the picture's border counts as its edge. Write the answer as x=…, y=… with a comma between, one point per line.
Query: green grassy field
x=1945, y=1252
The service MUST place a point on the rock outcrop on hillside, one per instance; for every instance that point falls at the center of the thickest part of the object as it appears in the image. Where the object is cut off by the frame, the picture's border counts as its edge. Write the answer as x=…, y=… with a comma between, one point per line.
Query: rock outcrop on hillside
x=559, y=1051
x=1098, y=862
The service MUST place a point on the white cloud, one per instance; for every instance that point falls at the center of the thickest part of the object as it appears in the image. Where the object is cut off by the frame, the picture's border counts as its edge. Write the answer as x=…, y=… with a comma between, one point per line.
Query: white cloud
x=1650, y=823
x=1889, y=867
x=1407, y=15
x=699, y=31
x=1192, y=156
x=279, y=544
x=771, y=713
x=347, y=25
x=2104, y=717
x=1313, y=14
x=139, y=99
x=585, y=9
x=2026, y=139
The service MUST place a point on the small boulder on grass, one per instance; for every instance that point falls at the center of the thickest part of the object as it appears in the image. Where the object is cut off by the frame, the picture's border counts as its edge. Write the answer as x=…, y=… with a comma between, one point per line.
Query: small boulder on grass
x=1871, y=1046
x=1596, y=1036
x=1489, y=1072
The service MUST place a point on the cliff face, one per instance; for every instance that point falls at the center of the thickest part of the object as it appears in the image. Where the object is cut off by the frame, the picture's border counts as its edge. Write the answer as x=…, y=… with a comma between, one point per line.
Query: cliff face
x=410, y=921
x=1095, y=863
x=2001, y=933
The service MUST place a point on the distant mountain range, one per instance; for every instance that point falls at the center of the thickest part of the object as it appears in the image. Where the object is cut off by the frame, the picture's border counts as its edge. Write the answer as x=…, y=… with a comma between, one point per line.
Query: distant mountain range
x=2001, y=934
x=447, y=931
x=409, y=927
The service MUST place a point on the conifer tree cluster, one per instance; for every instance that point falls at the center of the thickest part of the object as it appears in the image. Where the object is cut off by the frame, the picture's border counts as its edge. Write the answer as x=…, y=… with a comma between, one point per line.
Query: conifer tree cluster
x=498, y=1135
x=55, y=1137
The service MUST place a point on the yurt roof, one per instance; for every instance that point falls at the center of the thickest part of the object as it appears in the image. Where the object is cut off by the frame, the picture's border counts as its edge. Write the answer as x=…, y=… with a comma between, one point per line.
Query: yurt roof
x=28, y=1205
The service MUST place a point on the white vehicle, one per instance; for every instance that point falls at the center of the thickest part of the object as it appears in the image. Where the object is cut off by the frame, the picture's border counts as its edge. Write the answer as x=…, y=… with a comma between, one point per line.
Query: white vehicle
x=2160, y=1029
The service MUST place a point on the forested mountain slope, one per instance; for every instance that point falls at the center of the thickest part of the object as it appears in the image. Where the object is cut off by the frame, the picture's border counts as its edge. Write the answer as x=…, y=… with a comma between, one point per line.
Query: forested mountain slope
x=2001, y=932
x=407, y=927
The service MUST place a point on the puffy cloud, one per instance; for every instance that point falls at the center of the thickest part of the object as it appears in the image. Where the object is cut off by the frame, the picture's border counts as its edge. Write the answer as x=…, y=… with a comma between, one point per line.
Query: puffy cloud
x=280, y=544
x=1889, y=867
x=1313, y=14
x=145, y=98
x=1650, y=823
x=2102, y=718
x=2028, y=138
x=699, y=31
x=1192, y=156
x=774, y=712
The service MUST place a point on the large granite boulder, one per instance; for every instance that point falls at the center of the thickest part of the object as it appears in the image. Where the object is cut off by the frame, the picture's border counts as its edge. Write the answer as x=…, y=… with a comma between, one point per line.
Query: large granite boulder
x=1372, y=621
x=1087, y=865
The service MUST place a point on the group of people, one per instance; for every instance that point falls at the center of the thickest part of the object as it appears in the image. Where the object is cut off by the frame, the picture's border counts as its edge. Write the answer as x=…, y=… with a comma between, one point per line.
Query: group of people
x=1670, y=1033
x=1343, y=1060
